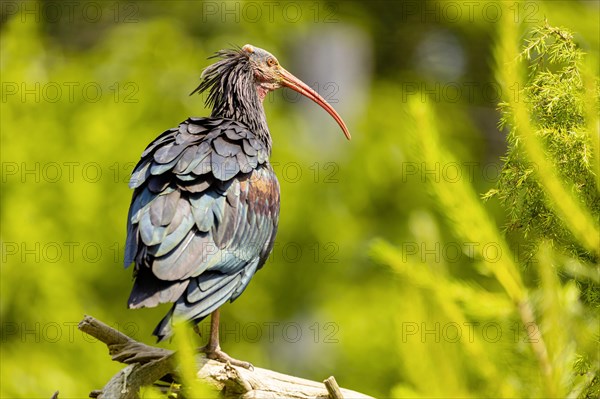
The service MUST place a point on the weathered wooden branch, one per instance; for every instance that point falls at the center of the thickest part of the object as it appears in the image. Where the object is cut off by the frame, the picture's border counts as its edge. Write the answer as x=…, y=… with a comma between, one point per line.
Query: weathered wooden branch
x=333, y=388
x=148, y=364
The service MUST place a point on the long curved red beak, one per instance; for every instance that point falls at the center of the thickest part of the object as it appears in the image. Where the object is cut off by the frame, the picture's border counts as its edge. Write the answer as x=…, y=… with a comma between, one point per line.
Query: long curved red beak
x=299, y=86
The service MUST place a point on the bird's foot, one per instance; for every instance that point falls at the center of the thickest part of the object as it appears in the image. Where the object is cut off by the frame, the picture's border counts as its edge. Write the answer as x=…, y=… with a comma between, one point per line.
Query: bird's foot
x=220, y=356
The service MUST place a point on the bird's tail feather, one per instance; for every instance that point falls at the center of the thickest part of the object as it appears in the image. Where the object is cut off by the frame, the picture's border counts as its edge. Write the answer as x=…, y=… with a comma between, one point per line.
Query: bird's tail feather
x=149, y=291
x=212, y=298
x=164, y=329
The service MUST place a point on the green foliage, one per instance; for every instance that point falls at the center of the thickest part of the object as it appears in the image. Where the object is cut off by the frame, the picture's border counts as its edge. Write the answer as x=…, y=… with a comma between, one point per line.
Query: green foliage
x=560, y=330
x=466, y=215
x=549, y=180
x=555, y=98
x=186, y=360
x=476, y=326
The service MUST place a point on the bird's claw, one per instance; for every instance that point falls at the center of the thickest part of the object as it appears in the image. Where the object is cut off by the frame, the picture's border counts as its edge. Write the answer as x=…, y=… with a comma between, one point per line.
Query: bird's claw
x=220, y=356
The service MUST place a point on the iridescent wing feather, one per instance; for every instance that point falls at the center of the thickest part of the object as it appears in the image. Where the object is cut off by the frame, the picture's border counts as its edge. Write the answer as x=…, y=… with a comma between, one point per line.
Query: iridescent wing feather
x=202, y=220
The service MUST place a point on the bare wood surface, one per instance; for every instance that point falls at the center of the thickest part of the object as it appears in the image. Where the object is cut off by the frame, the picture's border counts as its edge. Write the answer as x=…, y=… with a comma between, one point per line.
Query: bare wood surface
x=333, y=388
x=121, y=348
x=148, y=364
x=263, y=383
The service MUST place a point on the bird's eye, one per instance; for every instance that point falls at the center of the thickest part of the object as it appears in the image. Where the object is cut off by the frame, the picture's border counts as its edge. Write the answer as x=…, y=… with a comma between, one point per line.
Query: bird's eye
x=271, y=62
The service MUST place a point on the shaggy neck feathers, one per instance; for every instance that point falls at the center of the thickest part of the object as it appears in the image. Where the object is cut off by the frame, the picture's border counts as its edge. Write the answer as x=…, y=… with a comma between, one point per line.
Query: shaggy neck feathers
x=233, y=93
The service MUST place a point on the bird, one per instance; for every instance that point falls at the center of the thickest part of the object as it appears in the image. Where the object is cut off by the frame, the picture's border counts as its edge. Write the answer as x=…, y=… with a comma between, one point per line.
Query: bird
x=205, y=206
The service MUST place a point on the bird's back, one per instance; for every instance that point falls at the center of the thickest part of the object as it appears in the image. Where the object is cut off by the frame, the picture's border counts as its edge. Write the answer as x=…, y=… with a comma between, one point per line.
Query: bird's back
x=203, y=217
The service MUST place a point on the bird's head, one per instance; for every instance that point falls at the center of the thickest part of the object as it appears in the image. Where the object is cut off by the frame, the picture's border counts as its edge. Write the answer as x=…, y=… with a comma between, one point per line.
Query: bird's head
x=266, y=69
x=227, y=76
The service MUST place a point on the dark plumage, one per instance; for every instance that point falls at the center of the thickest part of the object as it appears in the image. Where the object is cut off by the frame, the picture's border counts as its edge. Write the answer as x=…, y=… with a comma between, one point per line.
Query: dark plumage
x=204, y=212
x=205, y=209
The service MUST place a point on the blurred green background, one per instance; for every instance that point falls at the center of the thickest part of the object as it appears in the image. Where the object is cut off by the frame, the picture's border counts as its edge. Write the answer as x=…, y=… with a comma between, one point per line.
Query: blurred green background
x=87, y=85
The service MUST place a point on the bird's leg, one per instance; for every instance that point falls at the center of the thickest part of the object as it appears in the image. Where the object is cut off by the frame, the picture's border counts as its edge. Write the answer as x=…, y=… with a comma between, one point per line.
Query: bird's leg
x=213, y=349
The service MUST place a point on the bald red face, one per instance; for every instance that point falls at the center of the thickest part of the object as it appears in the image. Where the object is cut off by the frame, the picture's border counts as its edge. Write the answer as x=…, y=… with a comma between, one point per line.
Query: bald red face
x=271, y=76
